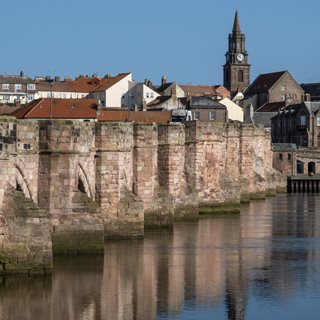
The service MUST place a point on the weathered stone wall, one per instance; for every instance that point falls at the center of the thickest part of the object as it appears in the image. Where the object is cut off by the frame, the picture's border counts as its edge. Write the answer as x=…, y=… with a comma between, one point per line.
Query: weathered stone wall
x=67, y=185
x=113, y=179
x=25, y=230
x=121, y=210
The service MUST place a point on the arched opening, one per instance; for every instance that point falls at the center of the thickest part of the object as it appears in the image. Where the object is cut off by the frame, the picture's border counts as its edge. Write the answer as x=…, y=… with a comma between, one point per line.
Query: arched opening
x=81, y=186
x=83, y=182
x=318, y=140
x=311, y=168
x=240, y=76
x=300, y=167
x=21, y=183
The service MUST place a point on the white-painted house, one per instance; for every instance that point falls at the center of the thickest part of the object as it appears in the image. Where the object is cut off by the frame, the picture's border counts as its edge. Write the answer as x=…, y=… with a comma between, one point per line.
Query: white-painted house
x=139, y=95
x=235, y=113
x=113, y=92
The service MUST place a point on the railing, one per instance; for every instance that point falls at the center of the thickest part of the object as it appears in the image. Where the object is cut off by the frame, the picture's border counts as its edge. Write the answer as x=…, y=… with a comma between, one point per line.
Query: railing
x=303, y=184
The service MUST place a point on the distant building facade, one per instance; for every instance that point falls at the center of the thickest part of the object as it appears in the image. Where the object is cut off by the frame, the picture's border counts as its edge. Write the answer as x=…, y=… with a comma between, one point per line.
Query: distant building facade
x=16, y=89
x=298, y=124
x=273, y=87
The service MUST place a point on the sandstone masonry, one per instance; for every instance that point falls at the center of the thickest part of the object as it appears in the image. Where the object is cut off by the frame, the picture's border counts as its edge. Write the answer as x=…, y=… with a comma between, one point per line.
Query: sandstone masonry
x=66, y=185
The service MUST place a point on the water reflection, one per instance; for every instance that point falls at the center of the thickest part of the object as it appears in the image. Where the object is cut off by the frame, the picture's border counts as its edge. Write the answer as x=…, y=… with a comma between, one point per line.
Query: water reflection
x=228, y=267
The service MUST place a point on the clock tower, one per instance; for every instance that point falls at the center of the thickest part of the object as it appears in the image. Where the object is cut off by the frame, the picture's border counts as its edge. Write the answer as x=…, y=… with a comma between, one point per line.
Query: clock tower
x=236, y=71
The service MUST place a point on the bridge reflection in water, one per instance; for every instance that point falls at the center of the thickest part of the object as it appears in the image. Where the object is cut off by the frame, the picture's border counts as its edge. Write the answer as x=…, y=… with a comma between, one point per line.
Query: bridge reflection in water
x=262, y=264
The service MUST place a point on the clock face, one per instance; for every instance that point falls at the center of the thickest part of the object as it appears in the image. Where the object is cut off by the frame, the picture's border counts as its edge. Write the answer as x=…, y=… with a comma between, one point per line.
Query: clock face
x=240, y=57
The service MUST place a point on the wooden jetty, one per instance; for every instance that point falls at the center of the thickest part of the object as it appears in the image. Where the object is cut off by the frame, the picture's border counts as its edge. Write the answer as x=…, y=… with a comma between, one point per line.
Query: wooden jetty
x=303, y=184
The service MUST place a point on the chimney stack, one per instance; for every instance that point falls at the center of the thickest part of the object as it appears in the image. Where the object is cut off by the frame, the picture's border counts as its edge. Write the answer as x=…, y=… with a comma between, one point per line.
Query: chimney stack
x=163, y=80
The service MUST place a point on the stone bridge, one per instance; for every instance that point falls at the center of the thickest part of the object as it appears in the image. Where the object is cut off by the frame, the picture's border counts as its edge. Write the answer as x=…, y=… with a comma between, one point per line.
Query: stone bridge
x=66, y=185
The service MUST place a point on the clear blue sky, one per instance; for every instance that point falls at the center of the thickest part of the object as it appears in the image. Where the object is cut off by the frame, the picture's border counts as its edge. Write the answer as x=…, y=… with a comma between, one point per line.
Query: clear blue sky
x=182, y=39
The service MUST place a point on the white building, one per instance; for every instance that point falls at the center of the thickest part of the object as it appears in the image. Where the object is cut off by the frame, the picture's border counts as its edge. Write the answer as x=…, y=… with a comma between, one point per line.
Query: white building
x=235, y=113
x=113, y=91
x=17, y=89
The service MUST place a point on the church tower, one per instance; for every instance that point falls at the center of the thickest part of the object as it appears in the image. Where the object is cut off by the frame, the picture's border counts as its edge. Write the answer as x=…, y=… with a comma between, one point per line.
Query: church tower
x=236, y=71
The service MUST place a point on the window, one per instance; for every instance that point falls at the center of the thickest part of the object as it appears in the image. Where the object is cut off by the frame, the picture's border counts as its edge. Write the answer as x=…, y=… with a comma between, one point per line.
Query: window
x=151, y=95
x=212, y=115
x=18, y=87
x=31, y=86
x=240, y=76
x=147, y=95
x=318, y=121
x=30, y=97
x=283, y=97
x=5, y=86
x=283, y=88
x=196, y=115
x=289, y=157
x=227, y=76
x=303, y=120
x=280, y=156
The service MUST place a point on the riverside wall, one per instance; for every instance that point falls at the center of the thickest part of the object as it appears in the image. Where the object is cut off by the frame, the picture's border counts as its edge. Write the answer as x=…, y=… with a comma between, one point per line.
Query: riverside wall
x=66, y=185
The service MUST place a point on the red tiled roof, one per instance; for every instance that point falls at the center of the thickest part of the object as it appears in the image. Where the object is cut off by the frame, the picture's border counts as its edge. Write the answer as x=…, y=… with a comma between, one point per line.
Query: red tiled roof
x=107, y=83
x=264, y=82
x=83, y=85
x=6, y=110
x=58, y=109
x=198, y=90
x=84, y=109
x=204, y=90
x=80, y=84
x=161, y=117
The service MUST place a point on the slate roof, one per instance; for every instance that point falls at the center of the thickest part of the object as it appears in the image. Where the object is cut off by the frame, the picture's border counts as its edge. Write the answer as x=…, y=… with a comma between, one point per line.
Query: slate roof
x=236, y=24
x=12, y=79
x=205, y=103
x=263, y=83
x=264, y=118
x=272, y=106
x=157, y=101
x=164, y=87
x=313, y=89
x=312, y=106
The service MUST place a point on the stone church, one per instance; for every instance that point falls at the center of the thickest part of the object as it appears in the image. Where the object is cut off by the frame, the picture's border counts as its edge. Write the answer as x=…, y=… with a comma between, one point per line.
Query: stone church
x=236, y=71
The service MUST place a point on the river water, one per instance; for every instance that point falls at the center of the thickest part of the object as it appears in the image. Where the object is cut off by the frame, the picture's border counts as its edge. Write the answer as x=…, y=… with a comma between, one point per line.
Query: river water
x=261, y=264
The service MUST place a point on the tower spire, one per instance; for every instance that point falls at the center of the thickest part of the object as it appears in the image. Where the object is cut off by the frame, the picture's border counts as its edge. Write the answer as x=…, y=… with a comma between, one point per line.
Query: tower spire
x=236, y=24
